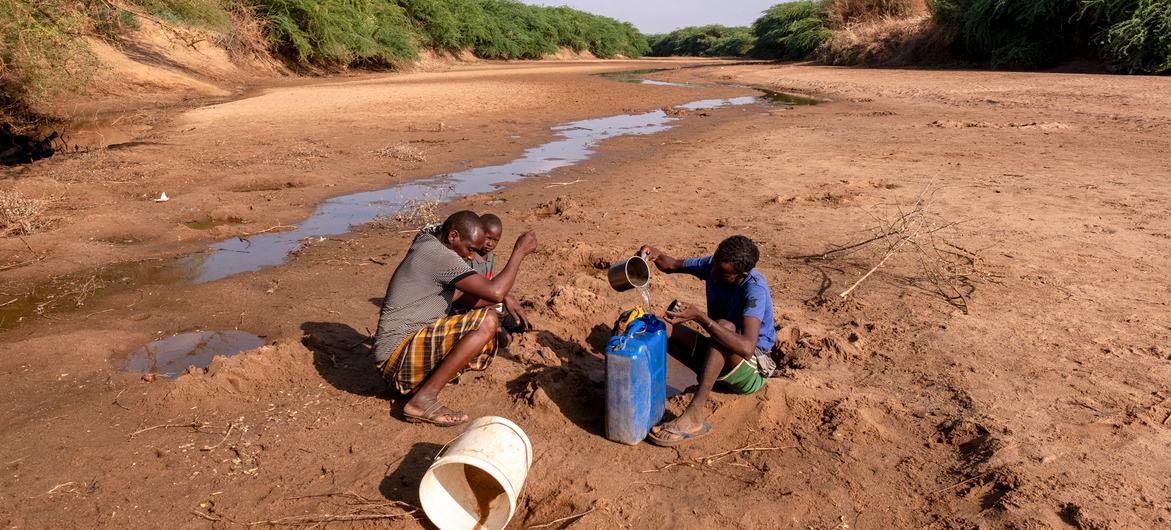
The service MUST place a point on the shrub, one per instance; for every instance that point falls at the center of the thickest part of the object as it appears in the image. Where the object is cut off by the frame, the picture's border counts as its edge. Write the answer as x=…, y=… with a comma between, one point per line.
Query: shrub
x=790, y=30
x=338, y=32
x=1029, y=33
x=1138, y=38
x=712, y=40
x=40, y=50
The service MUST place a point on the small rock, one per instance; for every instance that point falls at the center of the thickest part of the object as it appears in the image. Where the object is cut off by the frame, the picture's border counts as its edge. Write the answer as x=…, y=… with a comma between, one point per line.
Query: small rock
x=149, y=378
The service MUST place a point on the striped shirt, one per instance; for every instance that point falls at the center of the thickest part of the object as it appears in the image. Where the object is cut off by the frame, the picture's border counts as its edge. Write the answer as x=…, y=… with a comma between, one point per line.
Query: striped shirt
x=420, y=291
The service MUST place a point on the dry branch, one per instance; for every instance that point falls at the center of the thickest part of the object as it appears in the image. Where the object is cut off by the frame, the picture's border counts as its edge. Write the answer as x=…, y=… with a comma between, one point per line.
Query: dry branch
x=563, y=519
x=715, y=457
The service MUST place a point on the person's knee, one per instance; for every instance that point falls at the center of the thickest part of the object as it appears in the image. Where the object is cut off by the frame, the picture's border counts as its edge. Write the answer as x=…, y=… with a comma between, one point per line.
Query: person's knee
x=490, y=324
x=726, y=325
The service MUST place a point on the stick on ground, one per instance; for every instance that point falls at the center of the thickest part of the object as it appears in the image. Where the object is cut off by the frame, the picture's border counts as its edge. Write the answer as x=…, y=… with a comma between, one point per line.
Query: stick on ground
x=563, y=519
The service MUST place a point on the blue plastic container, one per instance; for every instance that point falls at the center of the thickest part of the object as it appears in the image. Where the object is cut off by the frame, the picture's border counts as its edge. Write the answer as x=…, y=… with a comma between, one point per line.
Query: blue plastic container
x=636, y=380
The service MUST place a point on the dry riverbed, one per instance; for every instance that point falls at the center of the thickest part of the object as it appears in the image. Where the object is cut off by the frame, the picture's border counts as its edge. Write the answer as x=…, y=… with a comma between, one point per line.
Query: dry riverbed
x=1007, y=365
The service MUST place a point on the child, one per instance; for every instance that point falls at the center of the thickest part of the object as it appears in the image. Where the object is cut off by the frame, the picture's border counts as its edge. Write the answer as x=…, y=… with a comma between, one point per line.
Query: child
x=512, y=316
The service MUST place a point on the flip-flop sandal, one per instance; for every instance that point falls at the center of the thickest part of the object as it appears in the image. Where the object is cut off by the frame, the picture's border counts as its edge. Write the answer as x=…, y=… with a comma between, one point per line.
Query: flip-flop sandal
x=433, y=411
x=678, y=437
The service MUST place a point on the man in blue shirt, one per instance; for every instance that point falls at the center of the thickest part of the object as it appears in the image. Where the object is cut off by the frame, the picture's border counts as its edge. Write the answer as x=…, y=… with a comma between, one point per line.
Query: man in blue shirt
x=739, y=326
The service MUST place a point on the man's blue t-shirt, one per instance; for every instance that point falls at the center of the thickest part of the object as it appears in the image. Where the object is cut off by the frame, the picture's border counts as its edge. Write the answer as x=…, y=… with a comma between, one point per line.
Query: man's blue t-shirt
x=733, y=302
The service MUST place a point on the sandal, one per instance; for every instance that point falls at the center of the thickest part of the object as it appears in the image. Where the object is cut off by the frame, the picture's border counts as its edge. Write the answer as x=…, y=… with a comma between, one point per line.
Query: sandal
x=676, y=437
x=432, y=413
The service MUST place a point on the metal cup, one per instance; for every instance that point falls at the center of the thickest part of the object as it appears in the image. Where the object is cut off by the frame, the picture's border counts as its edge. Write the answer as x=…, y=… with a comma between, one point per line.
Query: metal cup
x=630, y=273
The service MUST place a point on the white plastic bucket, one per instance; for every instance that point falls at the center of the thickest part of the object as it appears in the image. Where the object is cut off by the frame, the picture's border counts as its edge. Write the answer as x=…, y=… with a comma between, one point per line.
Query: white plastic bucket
x=475, y=484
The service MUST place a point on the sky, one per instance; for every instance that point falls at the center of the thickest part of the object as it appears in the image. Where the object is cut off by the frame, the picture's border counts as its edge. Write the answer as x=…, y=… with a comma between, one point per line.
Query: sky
x=661, y=16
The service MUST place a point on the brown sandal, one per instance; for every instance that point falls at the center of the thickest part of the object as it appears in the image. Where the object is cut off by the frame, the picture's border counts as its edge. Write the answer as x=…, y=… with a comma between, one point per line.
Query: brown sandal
x=432, y=414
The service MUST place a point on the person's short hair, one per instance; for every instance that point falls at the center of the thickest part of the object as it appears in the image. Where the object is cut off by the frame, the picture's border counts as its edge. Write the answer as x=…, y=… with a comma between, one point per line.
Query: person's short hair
x=465, y=222
x=490, y=219
x=738, y=251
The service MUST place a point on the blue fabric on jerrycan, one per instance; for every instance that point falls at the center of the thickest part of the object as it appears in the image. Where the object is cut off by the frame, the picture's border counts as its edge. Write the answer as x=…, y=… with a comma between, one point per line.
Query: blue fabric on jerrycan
x=636, y=379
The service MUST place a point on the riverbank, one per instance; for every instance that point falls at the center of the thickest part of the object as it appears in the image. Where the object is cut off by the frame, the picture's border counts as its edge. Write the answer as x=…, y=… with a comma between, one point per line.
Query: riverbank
x=1035, y=399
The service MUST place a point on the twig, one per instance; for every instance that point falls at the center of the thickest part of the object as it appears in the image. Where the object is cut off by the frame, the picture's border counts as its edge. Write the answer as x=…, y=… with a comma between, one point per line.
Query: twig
x=269, y=229
x=889, y=253
x=301, y=520
x=193, y=425
x=210, y=447
x=713, y=458
x=205, y=516
x=28, y=246
x=563, y=519
x=115, y=402
x=10, y=301
x=554, y=185
x=57, y=487
x=962, y=482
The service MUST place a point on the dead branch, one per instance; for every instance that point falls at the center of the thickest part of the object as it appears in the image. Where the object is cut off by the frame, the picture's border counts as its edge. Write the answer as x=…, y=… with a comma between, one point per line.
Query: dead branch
x=889, y=253
x=962, y=482
x=303, y=520
x=115, y=402
x=554, y=185
x=226, y=434
x=563, y=519
x=193, y=425
x=205, y=516
x=715, y=457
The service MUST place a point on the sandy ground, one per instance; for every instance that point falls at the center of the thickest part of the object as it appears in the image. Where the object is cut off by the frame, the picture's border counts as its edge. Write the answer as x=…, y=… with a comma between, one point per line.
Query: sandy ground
x=1007, y=366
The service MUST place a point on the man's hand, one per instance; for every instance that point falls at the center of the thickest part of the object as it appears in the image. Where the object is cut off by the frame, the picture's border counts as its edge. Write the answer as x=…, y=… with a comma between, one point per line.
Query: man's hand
x=649, y=253
x=525, y=243
x=517, y=313
x=685, y=313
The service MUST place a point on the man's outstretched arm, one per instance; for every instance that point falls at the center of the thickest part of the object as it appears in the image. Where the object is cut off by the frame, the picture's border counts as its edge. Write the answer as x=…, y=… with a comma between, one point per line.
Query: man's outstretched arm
x=664, y=262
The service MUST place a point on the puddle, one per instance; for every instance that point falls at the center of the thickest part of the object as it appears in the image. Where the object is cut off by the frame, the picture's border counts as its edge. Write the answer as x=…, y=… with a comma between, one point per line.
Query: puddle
x=76, y=291
x=635, y=76
x=171, y=356
x=208, y=223
x=79, y=135
x=785, y=98
x=679, y=377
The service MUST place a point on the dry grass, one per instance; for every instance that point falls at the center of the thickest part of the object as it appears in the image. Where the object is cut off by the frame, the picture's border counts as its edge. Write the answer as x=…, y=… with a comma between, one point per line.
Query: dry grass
x=882, y=41
x=404, y=152
x=21, y=215
x=843, y=13
x=418, y=212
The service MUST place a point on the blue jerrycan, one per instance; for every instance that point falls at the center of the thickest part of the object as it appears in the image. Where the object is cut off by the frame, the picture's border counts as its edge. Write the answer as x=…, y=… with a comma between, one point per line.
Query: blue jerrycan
x=636, y=379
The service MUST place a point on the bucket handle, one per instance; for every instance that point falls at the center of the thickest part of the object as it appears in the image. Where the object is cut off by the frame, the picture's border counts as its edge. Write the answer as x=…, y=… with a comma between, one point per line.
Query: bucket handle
x=439, y=454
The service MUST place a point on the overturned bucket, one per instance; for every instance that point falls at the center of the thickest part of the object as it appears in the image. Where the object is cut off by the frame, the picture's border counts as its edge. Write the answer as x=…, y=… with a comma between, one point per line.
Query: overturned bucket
x=476, y=482
x=630, y=273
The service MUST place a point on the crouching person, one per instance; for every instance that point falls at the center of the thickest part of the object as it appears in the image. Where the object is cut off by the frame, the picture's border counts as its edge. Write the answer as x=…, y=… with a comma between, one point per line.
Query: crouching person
x=738, y=334
x=422, y=343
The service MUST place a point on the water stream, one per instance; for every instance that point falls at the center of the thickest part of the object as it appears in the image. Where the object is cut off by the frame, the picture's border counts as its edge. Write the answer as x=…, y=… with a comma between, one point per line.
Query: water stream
x=573, y=142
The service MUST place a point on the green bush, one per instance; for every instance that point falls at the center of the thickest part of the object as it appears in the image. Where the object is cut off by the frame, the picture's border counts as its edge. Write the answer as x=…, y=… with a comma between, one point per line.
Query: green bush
x=1029, y=33
x=1138, y=37
x=790, y=30
x=40, y=50
x=712, y=41
x=338, y=32
x=196, y=13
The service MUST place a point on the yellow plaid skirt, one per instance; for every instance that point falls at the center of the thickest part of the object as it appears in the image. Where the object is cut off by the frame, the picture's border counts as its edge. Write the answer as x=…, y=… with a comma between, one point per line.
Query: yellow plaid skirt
x=418, y=354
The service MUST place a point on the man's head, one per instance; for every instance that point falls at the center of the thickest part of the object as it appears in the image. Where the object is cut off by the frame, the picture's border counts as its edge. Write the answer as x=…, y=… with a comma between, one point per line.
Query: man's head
x=734, y=259
x=493, y=229
x=462, y=232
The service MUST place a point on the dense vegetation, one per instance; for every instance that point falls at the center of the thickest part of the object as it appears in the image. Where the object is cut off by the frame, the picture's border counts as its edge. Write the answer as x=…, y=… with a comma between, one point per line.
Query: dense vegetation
x=707, y=41
x=1133, y=35
x=791, y=30
x=41, y=48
